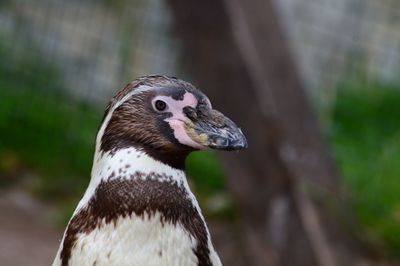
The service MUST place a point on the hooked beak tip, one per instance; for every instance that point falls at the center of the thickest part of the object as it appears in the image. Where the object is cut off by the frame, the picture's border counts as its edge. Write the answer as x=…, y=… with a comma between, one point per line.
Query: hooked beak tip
x=216, y=131
x=228, y=144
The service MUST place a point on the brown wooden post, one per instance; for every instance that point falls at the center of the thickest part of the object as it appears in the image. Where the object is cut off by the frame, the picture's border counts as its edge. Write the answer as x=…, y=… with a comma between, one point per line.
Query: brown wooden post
x=235, y=51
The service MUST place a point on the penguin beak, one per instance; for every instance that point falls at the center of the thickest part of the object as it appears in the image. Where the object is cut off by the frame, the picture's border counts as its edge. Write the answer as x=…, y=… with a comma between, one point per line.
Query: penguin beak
x=212, y=129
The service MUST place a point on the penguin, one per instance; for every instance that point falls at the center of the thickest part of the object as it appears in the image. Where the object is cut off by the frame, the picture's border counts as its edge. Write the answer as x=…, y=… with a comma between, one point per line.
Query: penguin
x=138, y=208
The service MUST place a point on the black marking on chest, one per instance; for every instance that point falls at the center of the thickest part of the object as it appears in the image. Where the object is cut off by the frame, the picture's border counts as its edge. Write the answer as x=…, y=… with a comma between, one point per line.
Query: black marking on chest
x=118, y=197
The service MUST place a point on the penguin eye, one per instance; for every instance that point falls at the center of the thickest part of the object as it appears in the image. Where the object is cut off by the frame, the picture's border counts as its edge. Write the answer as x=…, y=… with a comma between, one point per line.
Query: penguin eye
x=160, y=105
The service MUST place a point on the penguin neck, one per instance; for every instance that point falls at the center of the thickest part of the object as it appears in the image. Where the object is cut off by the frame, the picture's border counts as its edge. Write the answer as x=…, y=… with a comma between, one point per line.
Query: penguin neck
x=128, y=164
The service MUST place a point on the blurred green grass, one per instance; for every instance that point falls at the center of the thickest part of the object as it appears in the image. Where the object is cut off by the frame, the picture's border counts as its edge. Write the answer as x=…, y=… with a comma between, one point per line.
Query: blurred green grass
x=43, y=129
x=365, y=138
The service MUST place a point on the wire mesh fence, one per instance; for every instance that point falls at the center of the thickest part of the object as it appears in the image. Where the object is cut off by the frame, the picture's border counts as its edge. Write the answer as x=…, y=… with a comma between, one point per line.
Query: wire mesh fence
x=95, y=46
x=332, y=39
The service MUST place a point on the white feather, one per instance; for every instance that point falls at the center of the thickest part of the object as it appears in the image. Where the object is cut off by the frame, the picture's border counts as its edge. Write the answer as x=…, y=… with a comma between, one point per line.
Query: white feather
x=130, y=242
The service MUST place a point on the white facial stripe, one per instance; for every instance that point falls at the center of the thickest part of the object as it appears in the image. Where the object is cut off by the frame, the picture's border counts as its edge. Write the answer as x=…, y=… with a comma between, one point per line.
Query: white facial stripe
x=138, y=90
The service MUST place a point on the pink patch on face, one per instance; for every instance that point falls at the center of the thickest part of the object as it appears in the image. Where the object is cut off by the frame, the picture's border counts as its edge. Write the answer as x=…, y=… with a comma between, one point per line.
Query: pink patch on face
x=176, y=122
x=181, y=135
x=176, y=107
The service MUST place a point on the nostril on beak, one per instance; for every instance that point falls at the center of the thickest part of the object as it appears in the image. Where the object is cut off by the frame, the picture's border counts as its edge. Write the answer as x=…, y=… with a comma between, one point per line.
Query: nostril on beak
x=190, y=112
x=222, y=142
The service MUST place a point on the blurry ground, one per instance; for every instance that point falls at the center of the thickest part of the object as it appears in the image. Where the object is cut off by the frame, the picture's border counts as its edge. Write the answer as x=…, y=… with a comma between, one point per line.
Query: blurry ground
x=26, y=234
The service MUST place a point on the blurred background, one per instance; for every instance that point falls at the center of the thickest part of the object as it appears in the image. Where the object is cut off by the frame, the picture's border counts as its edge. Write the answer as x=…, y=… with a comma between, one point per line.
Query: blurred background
x=314, y=83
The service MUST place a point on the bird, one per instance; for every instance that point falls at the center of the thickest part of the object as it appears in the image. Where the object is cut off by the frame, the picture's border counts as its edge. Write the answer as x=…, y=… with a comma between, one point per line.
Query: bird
x=138, y=208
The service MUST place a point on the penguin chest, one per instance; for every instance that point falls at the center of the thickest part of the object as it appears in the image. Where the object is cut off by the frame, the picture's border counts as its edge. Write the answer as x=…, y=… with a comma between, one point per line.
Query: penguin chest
x=135, y=240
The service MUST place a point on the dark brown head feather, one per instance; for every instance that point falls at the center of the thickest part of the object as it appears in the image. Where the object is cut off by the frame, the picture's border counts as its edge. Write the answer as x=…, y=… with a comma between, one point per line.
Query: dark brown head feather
x=151, y=81
x=135, y=123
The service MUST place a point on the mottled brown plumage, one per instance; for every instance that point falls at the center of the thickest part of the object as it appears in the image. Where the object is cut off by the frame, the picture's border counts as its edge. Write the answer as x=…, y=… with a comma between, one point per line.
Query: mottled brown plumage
x=120, y=197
